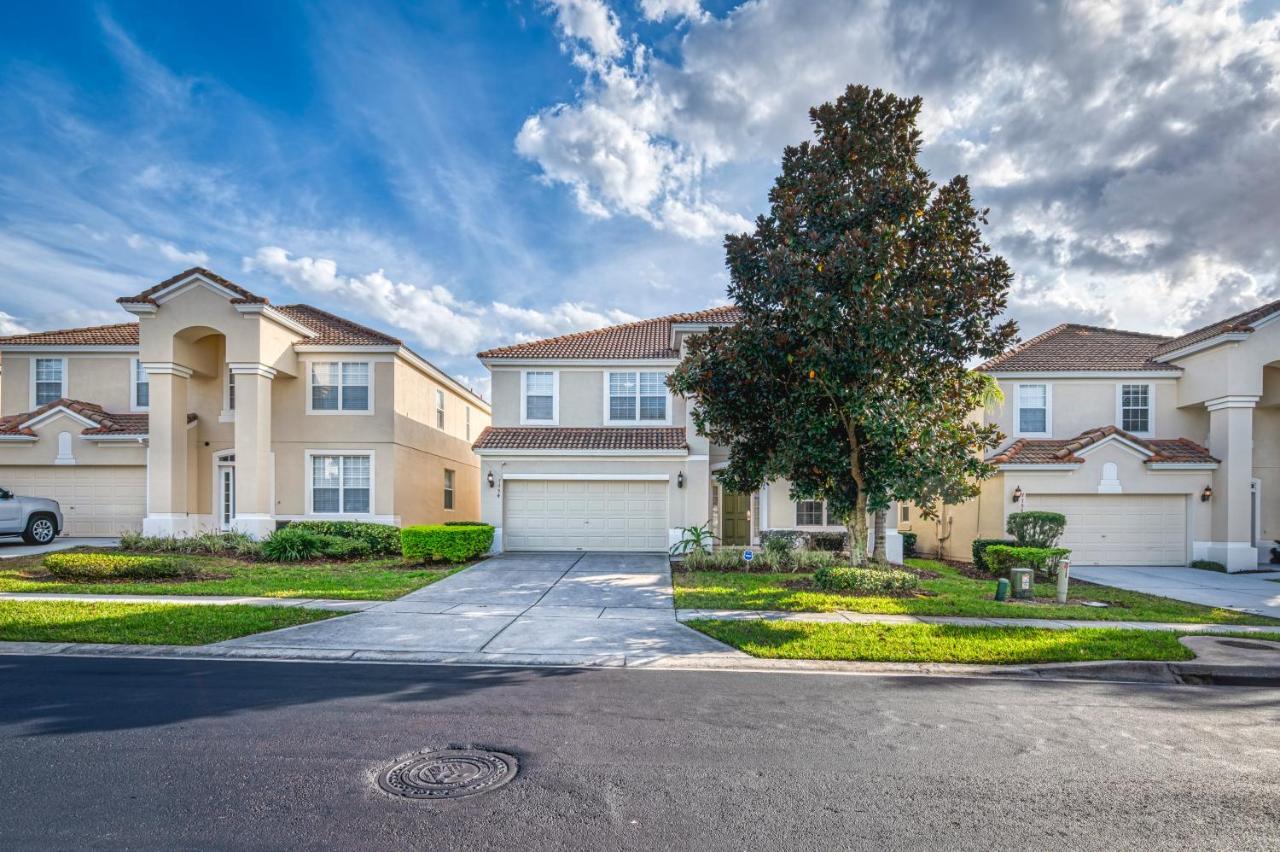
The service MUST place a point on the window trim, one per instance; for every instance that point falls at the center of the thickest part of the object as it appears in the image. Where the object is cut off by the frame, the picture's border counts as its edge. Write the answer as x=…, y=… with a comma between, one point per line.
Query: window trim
x=467, y=424
x=825, y=519
x=1048, y=410
x=308, y=455
x=309, y=366
x=440, y=410
x=524, y=398
x=65, y=370
x=1151, y=408
x=450, y=497
x=135, y=366
x=609, y=421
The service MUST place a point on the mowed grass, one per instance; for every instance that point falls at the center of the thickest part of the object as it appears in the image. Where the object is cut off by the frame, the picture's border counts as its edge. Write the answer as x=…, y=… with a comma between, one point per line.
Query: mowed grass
x=373, y=580
x=142, y=623
x=937, y=643
x=951, y=593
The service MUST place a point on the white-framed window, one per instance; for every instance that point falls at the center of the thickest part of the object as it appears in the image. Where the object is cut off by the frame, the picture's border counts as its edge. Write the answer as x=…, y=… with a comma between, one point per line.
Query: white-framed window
x=1135, y=408
x=1033, y=409
x=636, y=397
x=141, y=386
x=539, y=397
x=231, y=390
x=439, y=409
x=811, y=513
x=340, y=387
x=48, y=380
x=339, y=482
x=448, y=489
x=468, y=423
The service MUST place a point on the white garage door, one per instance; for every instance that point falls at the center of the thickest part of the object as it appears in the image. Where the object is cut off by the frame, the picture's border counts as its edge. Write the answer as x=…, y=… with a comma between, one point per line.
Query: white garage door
x=587, y=515
x=96, y=501
x=1116, y=529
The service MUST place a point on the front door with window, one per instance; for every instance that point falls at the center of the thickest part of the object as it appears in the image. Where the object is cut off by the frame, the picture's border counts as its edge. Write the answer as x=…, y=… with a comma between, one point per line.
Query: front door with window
x=226, y=496
x=735, y=525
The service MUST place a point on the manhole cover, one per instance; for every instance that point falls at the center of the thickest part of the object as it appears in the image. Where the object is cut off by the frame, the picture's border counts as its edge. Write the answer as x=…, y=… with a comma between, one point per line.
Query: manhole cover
x=1248, y=646
x=448, y=773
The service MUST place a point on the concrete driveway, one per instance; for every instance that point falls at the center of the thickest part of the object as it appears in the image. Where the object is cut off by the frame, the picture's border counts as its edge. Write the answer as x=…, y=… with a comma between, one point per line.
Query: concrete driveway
x=565, y=608
x=13, y=547
x=1256, y=593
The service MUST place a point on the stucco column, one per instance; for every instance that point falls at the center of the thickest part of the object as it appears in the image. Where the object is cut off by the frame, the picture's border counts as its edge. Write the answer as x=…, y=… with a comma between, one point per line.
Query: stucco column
x=255, y=463
x=167, y=450
x=1230, y=512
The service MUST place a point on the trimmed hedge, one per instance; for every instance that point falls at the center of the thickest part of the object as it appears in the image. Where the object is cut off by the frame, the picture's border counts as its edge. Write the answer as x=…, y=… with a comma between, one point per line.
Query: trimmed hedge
x=1035, y=528
x=112, y=566
x=1002, y=558
x=379, y=539
x=980, y=546
x=845, y=578
x=448, y=542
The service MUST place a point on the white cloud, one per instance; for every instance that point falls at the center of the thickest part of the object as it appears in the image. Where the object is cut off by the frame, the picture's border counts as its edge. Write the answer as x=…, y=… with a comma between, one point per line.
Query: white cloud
x=590, y=21
x=167, y=250
x=659, y=10
x=10, y=325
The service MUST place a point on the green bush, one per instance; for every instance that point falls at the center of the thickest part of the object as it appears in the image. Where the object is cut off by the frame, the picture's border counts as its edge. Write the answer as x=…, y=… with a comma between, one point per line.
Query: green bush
x=113, y=566
x=463, y=524
x=1036, y=529
x=336, y=547
x=812, y=561
x=1209, y=565
x=830, y=541
x=779, y=553
x=1003, y=558
x=795, y=539
x=379, y=539
x=908, y=544
x=293, y=544
x=864, y=581
x=212, y=543
x=449, y=542
x=980, y=546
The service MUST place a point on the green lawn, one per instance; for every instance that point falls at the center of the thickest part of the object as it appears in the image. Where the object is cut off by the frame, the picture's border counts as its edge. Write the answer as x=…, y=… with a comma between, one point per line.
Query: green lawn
x=374, y=580
x=922, y=643
x=142, y=624
x=951, y=593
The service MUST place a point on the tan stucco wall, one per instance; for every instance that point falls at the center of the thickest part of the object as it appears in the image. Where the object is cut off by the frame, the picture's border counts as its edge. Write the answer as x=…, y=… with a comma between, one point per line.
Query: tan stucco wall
x=582, y=400
x=951, y=533
x=1080, y=404
x=100, y=377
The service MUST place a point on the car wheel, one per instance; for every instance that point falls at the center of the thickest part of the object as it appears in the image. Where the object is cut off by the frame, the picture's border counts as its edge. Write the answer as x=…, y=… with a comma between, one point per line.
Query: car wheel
x=40, y=530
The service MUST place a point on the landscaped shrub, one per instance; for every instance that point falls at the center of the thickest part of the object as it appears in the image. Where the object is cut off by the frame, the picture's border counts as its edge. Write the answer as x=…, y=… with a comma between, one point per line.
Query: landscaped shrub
x=463, y=524
x=113, y=566
x=337, y=547
x=379, y=539
x=864, y=581
x=1209, y=565
x=832, y=541
x=293, y=544
x=1003, y=558
x=779, y=552
x=795, y=539
x=213, y=543
x=908, y=544
x=449, y=542
x=811, y=561
x=980, y=546
x=1036, y=529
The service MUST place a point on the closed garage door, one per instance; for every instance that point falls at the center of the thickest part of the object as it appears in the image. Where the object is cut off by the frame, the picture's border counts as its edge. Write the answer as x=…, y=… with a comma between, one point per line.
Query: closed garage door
x=1139, y=529
x=96, y=501
x=588, y=515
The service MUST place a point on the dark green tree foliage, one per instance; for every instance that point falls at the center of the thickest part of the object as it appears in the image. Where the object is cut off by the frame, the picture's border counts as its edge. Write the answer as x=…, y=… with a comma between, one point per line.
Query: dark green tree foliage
x=866, y=290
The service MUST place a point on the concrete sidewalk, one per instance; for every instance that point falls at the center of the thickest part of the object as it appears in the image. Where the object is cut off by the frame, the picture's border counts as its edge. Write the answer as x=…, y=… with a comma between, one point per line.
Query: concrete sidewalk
x=1255, y=593
x=197, y=600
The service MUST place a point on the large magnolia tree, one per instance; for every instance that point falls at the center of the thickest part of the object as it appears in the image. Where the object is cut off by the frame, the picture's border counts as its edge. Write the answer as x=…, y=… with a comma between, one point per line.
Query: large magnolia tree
x=866, y=292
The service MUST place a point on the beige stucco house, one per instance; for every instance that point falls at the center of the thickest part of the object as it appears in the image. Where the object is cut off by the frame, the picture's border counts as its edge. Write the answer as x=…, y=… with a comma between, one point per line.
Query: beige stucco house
x=219, y=410
x=590, y=451
x=1159, y=450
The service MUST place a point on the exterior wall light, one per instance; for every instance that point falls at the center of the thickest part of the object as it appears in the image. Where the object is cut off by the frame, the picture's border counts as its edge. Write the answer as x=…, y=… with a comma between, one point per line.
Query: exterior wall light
x=1207, y=494
x=680, y=479
x=490, y=479
x=1017, y=493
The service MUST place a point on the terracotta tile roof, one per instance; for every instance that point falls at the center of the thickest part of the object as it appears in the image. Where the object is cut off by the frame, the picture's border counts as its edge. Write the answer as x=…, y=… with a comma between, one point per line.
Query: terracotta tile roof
x=1072, y=347
x=332, y=330
x=1064, y=450
x=649, y=338
x=1242, y=322
x=245, y=297
x=122, y=334
x=107, y=423
x=600, y=438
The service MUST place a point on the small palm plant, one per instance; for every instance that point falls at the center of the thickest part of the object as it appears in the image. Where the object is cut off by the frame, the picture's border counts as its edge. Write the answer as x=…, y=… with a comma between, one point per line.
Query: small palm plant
x=695, y=539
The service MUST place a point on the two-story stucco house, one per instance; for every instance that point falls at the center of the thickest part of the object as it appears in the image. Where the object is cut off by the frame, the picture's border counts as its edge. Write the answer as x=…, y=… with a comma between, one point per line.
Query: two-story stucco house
x=590, y=451
x=1159, y=450
x=219, y=410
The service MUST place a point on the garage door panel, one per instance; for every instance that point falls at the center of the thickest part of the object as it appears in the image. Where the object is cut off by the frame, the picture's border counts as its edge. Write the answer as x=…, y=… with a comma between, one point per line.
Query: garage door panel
x=1128, y=529
x=96, y=501
x=585, y=515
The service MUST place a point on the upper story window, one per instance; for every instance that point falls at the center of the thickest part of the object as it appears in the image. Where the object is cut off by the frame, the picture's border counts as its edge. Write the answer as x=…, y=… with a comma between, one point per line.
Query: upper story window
x=439, y=409
x=231, y=390
x=811, y=513
x=637, y=397
x=540, y=392
x=141, y=386
x=468, y=423
x=340, y=386
x=1033, y=409
x=50, y=380
x=1135, y=408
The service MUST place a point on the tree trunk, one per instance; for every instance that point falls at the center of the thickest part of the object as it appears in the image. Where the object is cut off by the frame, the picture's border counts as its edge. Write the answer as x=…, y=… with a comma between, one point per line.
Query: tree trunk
x=879, y=553
x=857, y=524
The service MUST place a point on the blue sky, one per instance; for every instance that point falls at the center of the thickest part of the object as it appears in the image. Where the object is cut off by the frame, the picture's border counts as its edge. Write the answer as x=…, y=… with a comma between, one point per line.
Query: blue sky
x=465, y=174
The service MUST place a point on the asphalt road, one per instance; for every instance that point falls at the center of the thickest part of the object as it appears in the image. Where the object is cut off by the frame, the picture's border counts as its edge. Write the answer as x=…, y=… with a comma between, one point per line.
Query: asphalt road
x=152, y=754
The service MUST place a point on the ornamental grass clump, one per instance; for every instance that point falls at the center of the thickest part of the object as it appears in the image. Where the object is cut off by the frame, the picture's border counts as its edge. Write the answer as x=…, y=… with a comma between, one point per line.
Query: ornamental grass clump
x=114, y=566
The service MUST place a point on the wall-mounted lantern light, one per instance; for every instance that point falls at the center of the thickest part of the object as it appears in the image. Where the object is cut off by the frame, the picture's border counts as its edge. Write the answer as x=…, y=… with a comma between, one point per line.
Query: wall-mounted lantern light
x=1017, y=493
x=490, y=478
x=1207, y=494
x=680, y=479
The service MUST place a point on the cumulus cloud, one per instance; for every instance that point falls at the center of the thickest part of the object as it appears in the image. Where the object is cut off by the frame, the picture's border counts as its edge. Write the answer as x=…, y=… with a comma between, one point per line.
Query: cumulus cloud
x=590, y=21
x=659, y=10
x=9, y=325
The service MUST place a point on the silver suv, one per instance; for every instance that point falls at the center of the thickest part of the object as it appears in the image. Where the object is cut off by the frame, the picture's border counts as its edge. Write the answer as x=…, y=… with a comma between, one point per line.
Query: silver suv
x=36, y=519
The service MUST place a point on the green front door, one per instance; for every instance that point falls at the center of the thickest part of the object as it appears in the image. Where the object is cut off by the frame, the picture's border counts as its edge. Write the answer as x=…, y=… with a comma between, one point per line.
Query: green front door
x=735, y=524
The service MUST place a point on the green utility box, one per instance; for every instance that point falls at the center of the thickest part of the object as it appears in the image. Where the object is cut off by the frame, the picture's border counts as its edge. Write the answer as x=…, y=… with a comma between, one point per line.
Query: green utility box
x=1024, y=585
